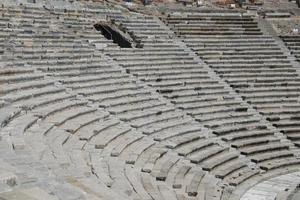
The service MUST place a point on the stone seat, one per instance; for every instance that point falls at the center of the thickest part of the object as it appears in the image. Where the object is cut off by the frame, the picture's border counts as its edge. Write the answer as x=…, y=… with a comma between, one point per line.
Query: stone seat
x=186, y=95
x=275, y=111
x=21, y=78
x=155, y=119
x=285, y=162
x=221, y=159
x=203, y=155
x=61, y=118
x=223, y=118
x=7, y=114
x=219, y=20
x=270, y=88
x=138, y=106
x=158, y=57
x=153, y=157
x=77, y=123
x=177, y=131
x=97, y=126
x=241, y=128
x=203, y=45
x=139, y=69
x=140, y=114
x=182, y=78
x=248, y=134
x=227, y=169
x=148, y=33
x=254, y=142
x=31, y=93
x=207, y=23
x=191, y=147
x=176, y=92
x=145, y=53
x=211, y=110
x=271, y=156
x=253, y=70
x=118, y=143
x=252, y=61
x=264, y=148
x=148, y=130
x=137, y=149
x=152, y=189
x=230, y=122
x=86, y=72
x=118, y=96
x=203, y=32
x=18, y=126
x=242, y=177
x=129, y=101
x=259, y=65
x=193, y=186
x=221, y=104
x=216, y=27
x=135, y=179
x=90, y=78
x=236, y=56
x=168, y=73
x=271, y=94
x=185, y=138
x=101, y=140
x=74, y=67
x=162, y=167
x=138, y=29
x=230, y=39
x=95, y=83
x=131, y=26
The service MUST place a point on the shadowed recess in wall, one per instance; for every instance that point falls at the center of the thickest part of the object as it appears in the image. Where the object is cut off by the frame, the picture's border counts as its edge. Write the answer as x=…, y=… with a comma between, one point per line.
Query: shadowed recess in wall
x=112, y=32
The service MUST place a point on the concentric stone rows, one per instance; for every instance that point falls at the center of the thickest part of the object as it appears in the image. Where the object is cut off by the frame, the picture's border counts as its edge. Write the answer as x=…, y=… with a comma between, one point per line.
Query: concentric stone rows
x=82, y=118
x=231, y=52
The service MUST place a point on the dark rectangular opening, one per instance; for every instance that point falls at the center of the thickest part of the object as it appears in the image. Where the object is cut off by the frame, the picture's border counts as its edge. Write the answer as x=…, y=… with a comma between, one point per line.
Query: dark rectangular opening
x=111, y=33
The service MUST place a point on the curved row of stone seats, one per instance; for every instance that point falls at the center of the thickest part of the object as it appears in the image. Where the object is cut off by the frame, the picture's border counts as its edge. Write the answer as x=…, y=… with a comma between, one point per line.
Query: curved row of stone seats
x=176, y=75
x=270, y=86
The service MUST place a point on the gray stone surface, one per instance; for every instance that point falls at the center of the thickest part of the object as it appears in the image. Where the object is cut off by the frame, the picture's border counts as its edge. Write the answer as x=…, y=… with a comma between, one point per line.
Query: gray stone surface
x=195, y=117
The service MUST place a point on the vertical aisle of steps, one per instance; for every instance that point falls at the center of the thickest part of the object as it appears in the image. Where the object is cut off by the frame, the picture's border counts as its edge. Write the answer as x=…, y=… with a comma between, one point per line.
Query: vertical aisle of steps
x=168, y=66
x=252, y=63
